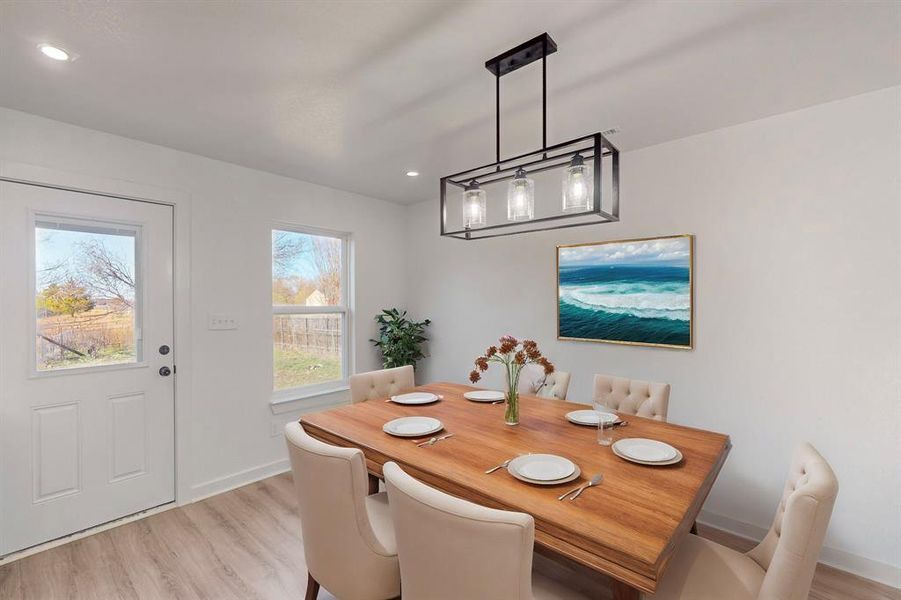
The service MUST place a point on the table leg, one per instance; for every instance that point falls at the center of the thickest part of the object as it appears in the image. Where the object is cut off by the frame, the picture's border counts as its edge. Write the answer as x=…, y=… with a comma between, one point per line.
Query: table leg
x=373, y=484
x=622, y=591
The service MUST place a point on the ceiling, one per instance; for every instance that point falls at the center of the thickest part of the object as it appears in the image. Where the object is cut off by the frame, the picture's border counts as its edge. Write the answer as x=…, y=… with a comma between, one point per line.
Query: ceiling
x=354, y=94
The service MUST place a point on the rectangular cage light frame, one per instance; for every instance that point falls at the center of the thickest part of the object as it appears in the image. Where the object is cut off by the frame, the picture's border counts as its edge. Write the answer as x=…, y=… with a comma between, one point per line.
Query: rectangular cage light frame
x=592, y=147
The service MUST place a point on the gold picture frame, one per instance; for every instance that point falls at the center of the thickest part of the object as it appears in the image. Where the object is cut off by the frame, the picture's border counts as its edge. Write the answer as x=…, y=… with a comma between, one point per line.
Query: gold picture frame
x=625, y=315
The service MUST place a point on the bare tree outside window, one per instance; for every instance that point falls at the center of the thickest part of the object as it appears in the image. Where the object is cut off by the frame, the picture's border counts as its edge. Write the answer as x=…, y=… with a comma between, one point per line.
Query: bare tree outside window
x=286, y=247
x=303, y=264
x=107, y=274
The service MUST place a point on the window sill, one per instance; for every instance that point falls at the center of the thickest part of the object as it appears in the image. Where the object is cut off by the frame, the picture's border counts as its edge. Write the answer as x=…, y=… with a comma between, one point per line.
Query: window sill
x=35, y=374
x=282, y=403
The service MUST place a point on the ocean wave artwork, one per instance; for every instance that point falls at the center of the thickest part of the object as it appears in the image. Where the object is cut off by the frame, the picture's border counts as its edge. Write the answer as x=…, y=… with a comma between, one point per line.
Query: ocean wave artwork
x=636, y=291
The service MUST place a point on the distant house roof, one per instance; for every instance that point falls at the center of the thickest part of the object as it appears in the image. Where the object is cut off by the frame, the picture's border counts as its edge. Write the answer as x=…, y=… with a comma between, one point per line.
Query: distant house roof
x=317, y=298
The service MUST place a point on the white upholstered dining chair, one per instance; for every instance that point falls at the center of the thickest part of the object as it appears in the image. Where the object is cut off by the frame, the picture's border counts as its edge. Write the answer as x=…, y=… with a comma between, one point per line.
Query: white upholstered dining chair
x=632, y=396
x=348, y=536
x=781, y=567
x=451, y=549
x=380, y=384
x=533, y=381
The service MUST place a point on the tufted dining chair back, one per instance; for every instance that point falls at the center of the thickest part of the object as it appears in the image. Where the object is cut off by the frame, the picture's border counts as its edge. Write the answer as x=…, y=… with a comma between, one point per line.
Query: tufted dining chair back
x=790, y=550
x=348, y=537
x=534, y=382
x=632, y=396
x=451, y=549
x=381, y=384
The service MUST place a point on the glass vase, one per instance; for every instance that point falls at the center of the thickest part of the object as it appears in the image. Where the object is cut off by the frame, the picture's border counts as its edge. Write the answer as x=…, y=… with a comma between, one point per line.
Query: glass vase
x=511, y=415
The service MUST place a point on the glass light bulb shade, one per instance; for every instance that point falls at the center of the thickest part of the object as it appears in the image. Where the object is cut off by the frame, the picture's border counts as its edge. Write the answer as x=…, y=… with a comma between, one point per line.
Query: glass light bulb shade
x=473, y=208
x=521, y=199
x=578, y=189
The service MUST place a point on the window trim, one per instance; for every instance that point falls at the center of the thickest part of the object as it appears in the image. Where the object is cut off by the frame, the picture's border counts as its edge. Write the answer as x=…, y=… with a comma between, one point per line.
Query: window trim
x=345, y=309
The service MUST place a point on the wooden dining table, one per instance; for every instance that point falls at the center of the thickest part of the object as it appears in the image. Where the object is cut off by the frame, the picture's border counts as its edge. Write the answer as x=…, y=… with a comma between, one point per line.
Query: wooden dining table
x=628, y=527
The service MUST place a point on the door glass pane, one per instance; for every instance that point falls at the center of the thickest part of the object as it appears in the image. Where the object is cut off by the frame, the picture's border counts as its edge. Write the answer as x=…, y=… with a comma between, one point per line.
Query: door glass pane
x=307, y=349
x=306, y=269
x=85, y=300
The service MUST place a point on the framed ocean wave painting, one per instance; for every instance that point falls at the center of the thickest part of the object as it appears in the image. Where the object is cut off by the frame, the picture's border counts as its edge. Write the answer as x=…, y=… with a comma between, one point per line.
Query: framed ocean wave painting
x=627, y=292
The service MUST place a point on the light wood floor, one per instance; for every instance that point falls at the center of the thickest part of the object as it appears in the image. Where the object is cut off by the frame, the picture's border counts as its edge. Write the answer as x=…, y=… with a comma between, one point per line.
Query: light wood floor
x=245, y=544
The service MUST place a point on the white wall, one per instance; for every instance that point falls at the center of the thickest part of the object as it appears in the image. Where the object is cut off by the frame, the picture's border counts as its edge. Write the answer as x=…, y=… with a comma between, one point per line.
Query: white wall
x=231, y=211
x=797, y=324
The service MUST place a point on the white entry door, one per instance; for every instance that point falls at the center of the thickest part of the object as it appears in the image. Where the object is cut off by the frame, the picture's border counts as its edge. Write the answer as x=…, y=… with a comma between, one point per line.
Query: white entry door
x=86, y=361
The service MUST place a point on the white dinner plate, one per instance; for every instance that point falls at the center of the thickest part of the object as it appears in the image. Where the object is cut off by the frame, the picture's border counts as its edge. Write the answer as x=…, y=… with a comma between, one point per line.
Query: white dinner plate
x=415, y=398
x=664, y=463
x=574, y=475
x=646, y=451
x=484, y=396
x=542, y=467
x=412, y=426
x=590, y=417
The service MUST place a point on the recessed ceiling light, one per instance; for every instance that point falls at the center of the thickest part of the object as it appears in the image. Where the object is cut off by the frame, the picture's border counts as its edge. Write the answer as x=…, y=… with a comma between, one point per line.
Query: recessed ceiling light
x=412, y=173
x=54, y=52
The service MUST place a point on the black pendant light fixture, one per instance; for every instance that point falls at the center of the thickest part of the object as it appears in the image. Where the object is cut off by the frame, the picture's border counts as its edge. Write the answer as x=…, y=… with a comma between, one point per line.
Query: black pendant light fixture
x=587, y=166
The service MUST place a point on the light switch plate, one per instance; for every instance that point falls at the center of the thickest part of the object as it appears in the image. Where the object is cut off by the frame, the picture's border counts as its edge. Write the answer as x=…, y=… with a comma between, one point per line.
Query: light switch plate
x=222, y=321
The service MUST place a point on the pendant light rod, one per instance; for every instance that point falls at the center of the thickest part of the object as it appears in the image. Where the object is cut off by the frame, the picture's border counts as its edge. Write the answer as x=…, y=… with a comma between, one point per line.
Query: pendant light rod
x=526, y=53
x=544, y=93
x=497, y=120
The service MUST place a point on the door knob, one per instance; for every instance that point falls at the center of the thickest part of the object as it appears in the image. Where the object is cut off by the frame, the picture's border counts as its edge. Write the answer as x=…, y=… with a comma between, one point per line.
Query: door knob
x=165, y=371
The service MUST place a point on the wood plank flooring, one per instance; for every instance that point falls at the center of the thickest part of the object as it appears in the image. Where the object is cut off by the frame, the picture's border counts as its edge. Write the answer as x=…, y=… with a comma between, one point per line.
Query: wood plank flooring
x=246, y=544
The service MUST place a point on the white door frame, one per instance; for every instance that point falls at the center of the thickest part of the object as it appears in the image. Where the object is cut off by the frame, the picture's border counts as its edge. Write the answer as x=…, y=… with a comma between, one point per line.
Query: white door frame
x=181, y=208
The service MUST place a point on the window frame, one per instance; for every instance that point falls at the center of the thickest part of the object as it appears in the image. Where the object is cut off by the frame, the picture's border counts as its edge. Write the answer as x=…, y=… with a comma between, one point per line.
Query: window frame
x=345, y=309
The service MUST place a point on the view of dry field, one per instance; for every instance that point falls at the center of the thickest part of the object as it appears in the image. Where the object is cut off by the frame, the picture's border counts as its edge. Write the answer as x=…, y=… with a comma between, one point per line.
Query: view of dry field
x=96, y=337
x=307, y=349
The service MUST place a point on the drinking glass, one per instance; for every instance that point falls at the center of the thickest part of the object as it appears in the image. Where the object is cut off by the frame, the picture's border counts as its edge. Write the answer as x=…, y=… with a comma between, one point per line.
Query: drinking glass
x=605, y=435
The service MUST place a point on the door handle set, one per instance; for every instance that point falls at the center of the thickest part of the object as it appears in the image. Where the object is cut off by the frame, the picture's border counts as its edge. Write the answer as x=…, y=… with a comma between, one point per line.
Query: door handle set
x=165, y=371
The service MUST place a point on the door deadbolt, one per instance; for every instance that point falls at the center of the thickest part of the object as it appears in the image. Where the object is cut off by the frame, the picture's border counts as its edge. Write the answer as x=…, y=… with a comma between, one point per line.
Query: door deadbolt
x=164, y=349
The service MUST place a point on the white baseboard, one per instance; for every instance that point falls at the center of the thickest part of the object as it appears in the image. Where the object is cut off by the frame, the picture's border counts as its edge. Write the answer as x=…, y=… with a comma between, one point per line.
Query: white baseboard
x=236, y=480
x=845, y=561
x=730, y=525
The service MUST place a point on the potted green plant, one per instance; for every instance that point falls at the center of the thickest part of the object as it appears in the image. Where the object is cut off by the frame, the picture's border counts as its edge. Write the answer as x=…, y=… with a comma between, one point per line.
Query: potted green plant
x=400, y=339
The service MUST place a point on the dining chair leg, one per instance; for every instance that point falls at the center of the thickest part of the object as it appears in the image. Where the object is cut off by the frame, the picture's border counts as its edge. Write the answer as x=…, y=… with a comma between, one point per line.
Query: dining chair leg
x=373, y=484
x=624, y=591
x=312, y=588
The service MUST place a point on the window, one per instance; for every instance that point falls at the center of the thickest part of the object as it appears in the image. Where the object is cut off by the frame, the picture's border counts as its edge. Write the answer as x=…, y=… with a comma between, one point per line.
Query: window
x=310, y=310
x=86, y=305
